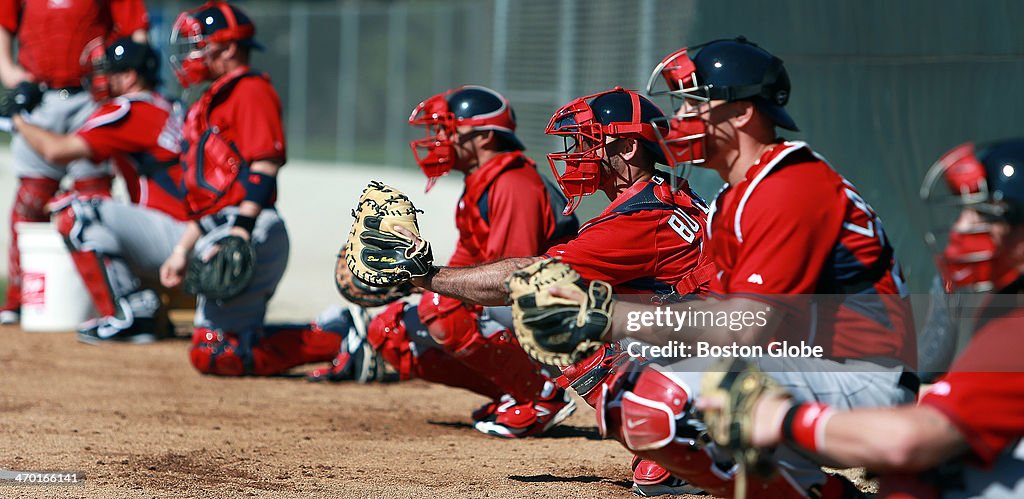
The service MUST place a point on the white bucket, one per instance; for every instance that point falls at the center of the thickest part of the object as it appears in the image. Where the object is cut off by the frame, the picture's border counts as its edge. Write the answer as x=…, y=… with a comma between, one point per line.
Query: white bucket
x=54, y=298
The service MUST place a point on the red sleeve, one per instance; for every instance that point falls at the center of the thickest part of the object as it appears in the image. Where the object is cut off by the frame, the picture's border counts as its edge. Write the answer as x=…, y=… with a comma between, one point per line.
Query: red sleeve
x=10, y=11
x=789, y=226
x=591, y=255
x=109, y=131
x=461, y=257
x=519, y=215
x=258, y=134
x=983, y=395
x=129, y=16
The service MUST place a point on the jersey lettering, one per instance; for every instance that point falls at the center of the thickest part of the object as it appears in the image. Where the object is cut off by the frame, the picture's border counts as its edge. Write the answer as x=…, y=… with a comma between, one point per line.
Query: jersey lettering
x=684, y=225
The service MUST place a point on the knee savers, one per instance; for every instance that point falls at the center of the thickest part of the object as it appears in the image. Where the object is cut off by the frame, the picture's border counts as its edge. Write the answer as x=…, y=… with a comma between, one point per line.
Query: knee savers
x=452, y=323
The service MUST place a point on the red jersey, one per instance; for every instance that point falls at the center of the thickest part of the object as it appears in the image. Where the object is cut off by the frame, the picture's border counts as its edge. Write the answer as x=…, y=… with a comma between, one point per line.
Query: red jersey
x=794, y=226
x=235, y=122
x=648, y=240
x=143, y=136
x=507, y=210
x=53, y=33
x=983, y=394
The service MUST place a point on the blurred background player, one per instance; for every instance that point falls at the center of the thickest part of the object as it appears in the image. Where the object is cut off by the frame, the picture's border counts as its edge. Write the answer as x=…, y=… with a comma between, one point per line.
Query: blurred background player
x=118, y=248
x=648, y=240
x=963, y=439
x=506, y=209
x=234, y=146
x=47, y=83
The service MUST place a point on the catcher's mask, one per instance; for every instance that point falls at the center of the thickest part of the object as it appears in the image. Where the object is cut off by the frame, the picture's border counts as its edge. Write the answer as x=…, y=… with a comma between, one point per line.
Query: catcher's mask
x=584, y=124
x=96, y=78
x=984, y=189
x=474, y=106
x=729, y=70
x=193, y=32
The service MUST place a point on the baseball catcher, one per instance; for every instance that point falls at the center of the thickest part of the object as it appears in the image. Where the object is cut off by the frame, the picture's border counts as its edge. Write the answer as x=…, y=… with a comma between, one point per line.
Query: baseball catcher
x=381, y=250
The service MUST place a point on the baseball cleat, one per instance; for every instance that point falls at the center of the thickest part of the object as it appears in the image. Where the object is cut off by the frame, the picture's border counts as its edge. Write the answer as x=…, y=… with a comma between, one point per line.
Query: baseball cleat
x=9, y=317
x=101, y=330
x=356, y=360
x=650, y=479
x=491, y=408
x=528, y=419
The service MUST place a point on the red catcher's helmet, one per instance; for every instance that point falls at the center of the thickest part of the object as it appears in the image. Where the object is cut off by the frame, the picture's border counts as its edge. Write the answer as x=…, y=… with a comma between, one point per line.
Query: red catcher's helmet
x=583, y=125
x=474, y=106
x=214, y=21
x=988, y=179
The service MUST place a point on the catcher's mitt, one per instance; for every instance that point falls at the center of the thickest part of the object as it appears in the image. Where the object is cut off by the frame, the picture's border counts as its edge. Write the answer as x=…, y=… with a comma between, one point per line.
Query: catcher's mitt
x=377, y=254
x=738, y=385
x=364, y=295
x=225, y=274
x=555, y=330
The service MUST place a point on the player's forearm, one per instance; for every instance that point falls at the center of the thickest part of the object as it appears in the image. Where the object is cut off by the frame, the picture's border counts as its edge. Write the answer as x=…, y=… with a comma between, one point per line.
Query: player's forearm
x=53, y=147
x=11, y=73
x=905, y=439
x=188, y=239
x=481, y=284
x=696, y=321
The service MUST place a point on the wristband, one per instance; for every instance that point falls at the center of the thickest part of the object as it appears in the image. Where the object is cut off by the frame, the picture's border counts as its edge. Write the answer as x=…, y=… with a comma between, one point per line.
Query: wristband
x=245, y=222
x=260, y=188
x=804, y=425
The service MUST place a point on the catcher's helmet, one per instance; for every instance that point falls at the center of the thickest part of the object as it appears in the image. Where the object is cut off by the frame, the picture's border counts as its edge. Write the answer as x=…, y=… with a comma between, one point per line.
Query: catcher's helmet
x=214, y=21
x=988, y=179
x=583, y=125
x=478, y=107
x=124, y=54
x=729, y=70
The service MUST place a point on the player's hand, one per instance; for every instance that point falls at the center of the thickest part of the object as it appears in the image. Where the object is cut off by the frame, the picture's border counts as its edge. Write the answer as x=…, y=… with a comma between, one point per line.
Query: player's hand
x=240, y=232
x=25, y=96
x=172, y=272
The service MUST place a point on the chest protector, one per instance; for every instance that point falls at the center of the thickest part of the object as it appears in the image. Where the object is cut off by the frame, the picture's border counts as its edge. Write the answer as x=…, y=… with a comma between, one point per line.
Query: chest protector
x=211, y=163
x=657, y=195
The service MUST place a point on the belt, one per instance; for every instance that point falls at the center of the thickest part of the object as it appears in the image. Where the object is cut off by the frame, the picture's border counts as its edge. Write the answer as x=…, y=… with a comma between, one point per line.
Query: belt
x=908, y=378
x=65, y=92
x=910, y=381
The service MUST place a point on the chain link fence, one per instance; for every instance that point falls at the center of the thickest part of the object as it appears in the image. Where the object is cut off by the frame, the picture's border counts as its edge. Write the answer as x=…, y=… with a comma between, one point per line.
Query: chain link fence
x=880, y=88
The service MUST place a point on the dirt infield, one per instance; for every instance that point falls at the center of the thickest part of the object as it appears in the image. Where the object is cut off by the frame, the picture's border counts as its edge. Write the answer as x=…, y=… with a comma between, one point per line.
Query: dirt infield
x=141, y=423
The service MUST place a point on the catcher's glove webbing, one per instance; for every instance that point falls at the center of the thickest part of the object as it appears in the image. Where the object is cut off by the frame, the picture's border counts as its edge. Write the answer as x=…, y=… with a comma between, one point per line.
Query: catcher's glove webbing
x=378, y=255
x=226, y=274
x=362, y=294
x=738, y=385
x=556, y=330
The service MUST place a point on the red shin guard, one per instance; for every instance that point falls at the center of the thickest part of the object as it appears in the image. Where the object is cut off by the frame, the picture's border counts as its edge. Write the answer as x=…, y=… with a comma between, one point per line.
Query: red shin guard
x=29, y=206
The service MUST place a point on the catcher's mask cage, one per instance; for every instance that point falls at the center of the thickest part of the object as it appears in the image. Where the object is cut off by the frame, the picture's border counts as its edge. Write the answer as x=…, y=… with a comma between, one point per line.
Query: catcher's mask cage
x=93, y=62
x=726, y=69
x=474, y=106
x=583, y=130
x=194, y=30
x=982, y=187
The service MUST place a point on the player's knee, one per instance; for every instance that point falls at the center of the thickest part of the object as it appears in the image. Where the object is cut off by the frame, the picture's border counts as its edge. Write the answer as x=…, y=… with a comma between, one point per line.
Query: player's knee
x=31, y=198
x=450, y=322
x=651, y=412
x=213, y=352
x=387, y=335
x=94, y=187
